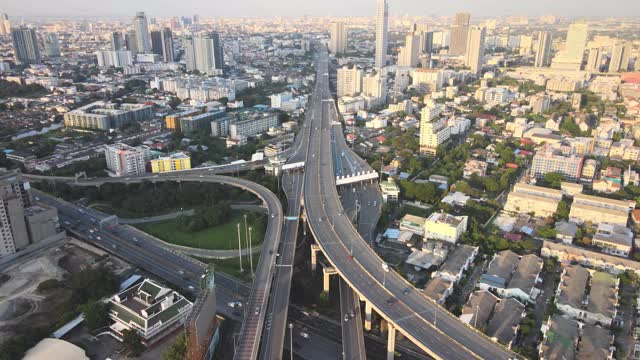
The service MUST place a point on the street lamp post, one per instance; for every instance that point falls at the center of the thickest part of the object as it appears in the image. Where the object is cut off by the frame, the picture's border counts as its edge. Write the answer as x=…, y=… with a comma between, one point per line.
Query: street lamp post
x=291, y=340
x=250, y=252
x=239, y=247
x=246, y=231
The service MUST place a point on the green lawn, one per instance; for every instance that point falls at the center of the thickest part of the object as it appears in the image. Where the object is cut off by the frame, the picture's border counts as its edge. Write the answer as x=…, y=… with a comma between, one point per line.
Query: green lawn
x=221, y=237
x=128, y=214
x=231, y=267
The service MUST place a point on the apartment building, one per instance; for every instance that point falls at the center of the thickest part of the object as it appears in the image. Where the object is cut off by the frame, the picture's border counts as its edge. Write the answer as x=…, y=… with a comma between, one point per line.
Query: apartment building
x=349, y=81
x=445, y=227
x=124, y=160
x=172, y=122
x=174, y=162
x=101, y=115
x=596, y=210
x=525, y=199
x=549, y=160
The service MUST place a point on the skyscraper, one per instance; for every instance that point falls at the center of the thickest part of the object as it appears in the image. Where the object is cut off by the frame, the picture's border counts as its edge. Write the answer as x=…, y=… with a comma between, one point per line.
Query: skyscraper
x=51, y=45
x=459, y=34
x=167, y=45
x=573, y=54
x=594, y=60
x=619, y=58
x=428, y=42
x=131, y=42
x=349, y=81
x=543, y=50
x=338, y=41
x=116, y=41
x=410, y=52
x=382, y=36
x=156, y=42
x=14, y=197
x=474, y=55
x=204, y=53
x=5, y=25
x=141, y=26
x=25, y=43
x=421, y=31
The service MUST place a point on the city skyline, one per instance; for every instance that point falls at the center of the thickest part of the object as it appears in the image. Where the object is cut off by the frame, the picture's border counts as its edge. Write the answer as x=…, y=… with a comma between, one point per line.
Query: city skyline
x=290, y=8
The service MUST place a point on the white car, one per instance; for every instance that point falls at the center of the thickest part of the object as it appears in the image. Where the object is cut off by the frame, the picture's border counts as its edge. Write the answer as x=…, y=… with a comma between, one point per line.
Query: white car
x=304, y=335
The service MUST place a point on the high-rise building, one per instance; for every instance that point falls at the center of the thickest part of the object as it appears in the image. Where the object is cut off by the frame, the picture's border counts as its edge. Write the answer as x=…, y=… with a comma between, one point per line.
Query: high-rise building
x=573, y=54
x=162, y=44
x=25, y=44
x=51, y=45
x=433, y=131
x=543, y=52
x=619, y=58
x=141, y=26
x=428, y=42
x=382, y=35
x=338, y=41
x=594, y=60
x=204, y=53
x=459, y=34
x=349, y=81
x=474, y=56
x=15, y=197
x=116, y=41
x=5, y=25
x=130, y=39
x=548, y=160
x=123, y=159
x=526, y=44
x=410, y=52
x=117, y=59
x=425, y=38
x=375, y=85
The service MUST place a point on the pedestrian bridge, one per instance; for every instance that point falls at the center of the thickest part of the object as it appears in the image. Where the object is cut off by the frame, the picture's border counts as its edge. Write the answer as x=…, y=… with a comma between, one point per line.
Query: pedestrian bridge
x=357, y=177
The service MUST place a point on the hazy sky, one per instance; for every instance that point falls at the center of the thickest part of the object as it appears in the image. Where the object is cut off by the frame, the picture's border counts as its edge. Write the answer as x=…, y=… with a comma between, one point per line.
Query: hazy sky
x=235, y=8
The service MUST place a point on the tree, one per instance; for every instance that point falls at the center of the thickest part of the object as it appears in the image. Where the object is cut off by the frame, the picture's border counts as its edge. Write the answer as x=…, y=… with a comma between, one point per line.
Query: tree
x=96, y=314
x=547, y=232
x=177, y=350
x=553, y=180
x=132, y=342
x=563, y=210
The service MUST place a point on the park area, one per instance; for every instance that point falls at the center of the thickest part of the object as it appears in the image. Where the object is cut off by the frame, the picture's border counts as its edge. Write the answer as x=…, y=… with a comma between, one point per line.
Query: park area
x=219, y=237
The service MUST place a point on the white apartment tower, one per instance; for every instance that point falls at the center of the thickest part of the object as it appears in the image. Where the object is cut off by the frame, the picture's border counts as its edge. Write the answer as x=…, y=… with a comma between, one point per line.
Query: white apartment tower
x=459, y=34
x=143, y=39
x=543, y=52
x=125, y=160
x=338, y=41
x=474, y=57
x=349, y=81
x=382, y=36
x=410, y=52
x=619, y=58
x=374, y=85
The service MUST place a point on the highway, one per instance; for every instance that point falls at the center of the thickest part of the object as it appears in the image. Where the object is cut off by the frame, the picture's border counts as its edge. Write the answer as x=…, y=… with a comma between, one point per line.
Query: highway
x=428, y=325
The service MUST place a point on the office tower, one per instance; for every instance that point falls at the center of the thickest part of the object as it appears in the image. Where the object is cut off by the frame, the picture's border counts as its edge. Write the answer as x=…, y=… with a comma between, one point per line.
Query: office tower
x=375, y=85
x=594, y=60
x=543, y=52
x=475, y=49
x=25, y=44
x=421, y=31
x=123, y=159
x=51, y=45
x=118, y=59
x=526, y=44
x=459, y=34
x=338, y=41
x=573, y=54
x=204, y=53
x=382, y=36
x=410, y=51
x=131, y=42
x=5, y=25
x=156, y=42
x=167, y=45
x=116, y=41
x=196, y=19
x=619, y=58
x=141, y=26
x=14, y=198
x=349, y=81
x=428, y=42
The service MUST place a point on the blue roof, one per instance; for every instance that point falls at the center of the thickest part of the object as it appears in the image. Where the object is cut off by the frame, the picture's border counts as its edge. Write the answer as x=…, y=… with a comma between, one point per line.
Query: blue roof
x=260, y=106
x=392, y=233
x=68, y=327
x=130, y=281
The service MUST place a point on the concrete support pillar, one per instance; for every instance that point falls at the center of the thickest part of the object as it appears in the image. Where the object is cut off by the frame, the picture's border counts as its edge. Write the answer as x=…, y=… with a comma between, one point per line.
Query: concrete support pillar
x=383, y=325
x=367, y=316
x=304, y=223
x=391, y=342
x=326, y=278
x=314, y=256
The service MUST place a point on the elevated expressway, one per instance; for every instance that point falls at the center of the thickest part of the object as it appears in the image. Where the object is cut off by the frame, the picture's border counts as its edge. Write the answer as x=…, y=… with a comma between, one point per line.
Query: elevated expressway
x=256, y=305
x=429, y=326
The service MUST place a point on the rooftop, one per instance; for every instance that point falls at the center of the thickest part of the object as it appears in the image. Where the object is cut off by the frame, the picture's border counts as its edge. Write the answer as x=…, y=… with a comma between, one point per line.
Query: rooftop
x=480, y=305
x=572, y=286
x=505, y=320
x=560, y=339
x=603, y=294
x=526, y=274
x=594, y=343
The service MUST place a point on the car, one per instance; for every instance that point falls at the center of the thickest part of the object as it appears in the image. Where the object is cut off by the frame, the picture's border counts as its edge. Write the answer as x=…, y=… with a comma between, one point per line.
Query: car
x=352, y=315
x=190, y=287
x=98, y=237
x=375, y=203
x=304, y=335
x=91, y=231
x=181, y=272
x=346, y=317
x=405, y=291
x=257, y=310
